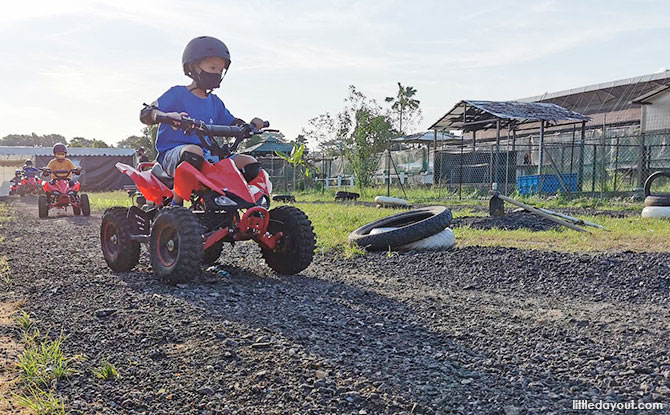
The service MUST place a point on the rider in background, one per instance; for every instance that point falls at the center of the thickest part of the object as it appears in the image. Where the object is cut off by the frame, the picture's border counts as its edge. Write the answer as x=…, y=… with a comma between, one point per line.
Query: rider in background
x=61, y=162
x=29, y=170
x=205, y=60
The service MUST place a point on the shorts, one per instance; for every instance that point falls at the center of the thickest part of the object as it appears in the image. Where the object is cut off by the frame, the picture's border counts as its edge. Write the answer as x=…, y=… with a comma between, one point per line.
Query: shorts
x=171, y=159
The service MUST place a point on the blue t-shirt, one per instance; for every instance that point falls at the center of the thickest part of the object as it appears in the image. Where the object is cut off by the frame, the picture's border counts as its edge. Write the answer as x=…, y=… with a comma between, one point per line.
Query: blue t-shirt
x=179, y=99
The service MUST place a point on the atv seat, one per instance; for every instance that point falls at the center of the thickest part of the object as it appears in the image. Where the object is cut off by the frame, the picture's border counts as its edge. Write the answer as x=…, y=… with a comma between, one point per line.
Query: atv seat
x=157, y=170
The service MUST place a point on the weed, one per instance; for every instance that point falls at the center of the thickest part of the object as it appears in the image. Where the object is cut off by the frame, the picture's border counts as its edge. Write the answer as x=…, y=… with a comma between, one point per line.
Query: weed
x=353, y=250
x=24, y=320
x=4, y=270
x=106, y=371
x=43, y=360
x=40, y=402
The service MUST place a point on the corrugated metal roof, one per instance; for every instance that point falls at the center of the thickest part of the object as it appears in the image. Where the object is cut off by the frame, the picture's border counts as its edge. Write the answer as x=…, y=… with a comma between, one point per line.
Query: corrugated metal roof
x=605, y=85
x=71, y=151
x=426, y=137
x=269, y=145
x=485, y=114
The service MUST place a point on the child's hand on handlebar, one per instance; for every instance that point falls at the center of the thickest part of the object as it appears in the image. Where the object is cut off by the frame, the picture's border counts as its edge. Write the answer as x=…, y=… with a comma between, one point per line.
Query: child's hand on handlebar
x=258, y=123
x=175, y=116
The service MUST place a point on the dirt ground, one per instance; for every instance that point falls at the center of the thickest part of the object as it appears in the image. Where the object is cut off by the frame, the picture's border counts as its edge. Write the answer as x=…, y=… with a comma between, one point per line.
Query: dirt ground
x=469, y=331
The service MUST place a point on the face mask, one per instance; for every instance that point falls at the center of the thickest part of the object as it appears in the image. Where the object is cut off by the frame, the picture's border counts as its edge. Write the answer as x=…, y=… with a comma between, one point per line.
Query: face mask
x=60, y=156
x=208, y=80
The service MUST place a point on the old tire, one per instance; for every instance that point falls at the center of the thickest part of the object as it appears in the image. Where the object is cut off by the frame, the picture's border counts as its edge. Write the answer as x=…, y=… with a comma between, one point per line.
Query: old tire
x=120, y=252
x=85, y=206
x=212, y=254
x=439, y=242
x=411, y=226
x=656, y=212
x=295, y=249
x=42, y=206
x=176, y=245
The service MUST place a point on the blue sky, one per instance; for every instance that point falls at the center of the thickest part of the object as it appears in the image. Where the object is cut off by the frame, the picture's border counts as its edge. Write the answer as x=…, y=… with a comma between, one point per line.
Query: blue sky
x=83, y=68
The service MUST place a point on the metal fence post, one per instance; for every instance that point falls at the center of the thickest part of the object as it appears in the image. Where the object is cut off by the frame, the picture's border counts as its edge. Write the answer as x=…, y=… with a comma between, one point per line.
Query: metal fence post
x=593, y=174
x=616, y=162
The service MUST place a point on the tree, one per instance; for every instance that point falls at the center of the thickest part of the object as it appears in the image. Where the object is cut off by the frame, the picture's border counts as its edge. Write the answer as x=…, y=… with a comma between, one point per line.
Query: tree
x=405, y=106
x=32, y=140
x=85, y=142
x=147, y=140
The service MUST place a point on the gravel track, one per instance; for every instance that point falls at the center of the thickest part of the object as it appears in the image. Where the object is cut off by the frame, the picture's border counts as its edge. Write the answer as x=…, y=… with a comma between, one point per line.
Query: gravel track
x=469, y=331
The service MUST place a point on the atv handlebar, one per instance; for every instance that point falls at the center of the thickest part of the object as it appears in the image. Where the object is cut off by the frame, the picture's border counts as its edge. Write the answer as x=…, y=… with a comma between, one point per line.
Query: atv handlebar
x=202, y=130
x=59, y=173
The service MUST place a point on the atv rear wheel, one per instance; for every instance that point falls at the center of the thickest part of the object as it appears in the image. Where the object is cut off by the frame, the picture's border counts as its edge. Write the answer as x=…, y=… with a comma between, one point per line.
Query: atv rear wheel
x=295, y=249
x=121, y=253
x=85, y=206
x=76, y=210
x=176, y=245
x=42, y=206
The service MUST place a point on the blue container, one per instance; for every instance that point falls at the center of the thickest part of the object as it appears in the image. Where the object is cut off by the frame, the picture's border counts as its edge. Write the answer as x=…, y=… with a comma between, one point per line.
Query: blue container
x=528, y=185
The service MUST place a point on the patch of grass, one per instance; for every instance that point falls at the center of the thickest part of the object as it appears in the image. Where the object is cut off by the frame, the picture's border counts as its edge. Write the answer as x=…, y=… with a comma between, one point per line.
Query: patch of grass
x=106, y=371
x=333, y=223
x=40, y=402
x=4, y=270
x=24, y=320
x=43, y=360
x=104, y=200
x=632, y=233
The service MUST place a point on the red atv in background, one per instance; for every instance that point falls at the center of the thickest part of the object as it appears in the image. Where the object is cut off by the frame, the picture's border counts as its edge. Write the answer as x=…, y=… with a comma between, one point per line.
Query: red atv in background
x=224, y=208
x=16, y=183
x=25, y=183
x=62, y=192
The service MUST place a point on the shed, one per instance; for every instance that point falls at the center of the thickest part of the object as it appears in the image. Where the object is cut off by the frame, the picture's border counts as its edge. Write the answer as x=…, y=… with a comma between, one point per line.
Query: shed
x=267, y=147
x=655, y=110
x=98, y=164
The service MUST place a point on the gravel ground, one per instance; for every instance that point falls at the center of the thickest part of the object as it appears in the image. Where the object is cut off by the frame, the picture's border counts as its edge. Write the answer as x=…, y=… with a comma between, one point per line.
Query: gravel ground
x=469, y=331
x=509, y=221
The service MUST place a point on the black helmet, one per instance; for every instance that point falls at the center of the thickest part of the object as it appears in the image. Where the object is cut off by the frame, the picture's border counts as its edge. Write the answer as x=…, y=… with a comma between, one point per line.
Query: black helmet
x=203, y=47
x=29, y=162
x=59, y=148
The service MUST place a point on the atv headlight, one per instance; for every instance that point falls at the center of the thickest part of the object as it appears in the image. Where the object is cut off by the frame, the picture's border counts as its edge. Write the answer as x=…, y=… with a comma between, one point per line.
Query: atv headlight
x=264, y=201
x=224, y=201
x=56, y=192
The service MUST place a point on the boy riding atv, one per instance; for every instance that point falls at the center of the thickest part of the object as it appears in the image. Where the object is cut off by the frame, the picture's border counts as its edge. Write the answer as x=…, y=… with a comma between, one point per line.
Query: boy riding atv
x=229, y=193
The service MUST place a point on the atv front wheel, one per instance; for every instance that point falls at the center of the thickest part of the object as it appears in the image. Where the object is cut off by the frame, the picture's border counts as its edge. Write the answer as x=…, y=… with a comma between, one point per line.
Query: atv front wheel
x=295, y=249
x=176, y=245
x=212, y=254
x=76, y=210
x=121, y=253
x=85, y=206
x=42, y=206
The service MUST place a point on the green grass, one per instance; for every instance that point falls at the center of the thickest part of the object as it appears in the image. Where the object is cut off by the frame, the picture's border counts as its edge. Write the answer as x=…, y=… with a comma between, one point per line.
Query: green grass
x=632, y=233
x=4, y=270
x=40, y=402
x=106, y=371
x=24, y=320
x=43, y=360
x=104, y=200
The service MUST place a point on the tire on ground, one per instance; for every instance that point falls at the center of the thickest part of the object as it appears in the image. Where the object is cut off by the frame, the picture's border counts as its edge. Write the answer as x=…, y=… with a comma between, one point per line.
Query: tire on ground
x=212, y=254
x=295, y=249
x=656, y=212
x=660, y=199
x=120, y=252
x=176, y=245
x=439, y=242
x=413, y=225
x=42, y=206
x=85, y=205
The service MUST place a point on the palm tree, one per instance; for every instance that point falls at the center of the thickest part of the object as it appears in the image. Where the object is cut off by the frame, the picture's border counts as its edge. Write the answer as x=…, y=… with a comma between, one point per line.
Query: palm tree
x=404, y=101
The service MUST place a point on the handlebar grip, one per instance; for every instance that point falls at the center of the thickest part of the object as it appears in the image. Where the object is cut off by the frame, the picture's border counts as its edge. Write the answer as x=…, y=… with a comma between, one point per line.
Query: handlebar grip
x=266, y=124
x=224, y=130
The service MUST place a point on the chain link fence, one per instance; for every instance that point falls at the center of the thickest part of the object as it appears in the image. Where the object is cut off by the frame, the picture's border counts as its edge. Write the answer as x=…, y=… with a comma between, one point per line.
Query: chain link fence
x=606, y=165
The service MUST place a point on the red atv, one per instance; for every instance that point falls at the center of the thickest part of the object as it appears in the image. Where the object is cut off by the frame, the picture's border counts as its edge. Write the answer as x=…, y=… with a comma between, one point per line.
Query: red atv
x=224, y=208
x=25, y=184
x=62, y=192
x=16, y=183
